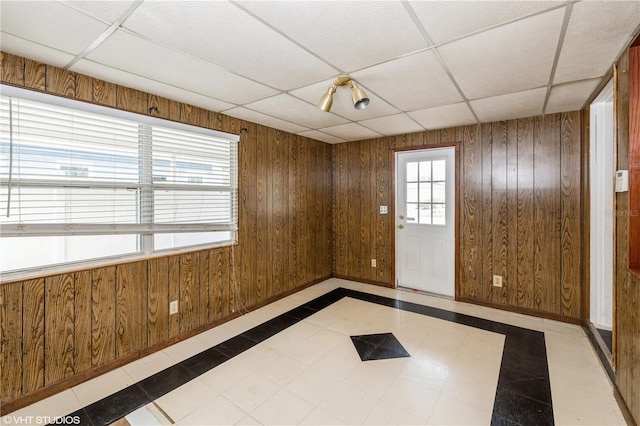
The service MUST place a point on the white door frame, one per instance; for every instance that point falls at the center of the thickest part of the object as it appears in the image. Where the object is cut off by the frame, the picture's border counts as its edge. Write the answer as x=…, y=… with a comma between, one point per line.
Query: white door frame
x=456, y=213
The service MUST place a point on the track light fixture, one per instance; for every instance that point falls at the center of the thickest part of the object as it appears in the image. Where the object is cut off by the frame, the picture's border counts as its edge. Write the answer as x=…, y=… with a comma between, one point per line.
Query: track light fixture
x=358, y=96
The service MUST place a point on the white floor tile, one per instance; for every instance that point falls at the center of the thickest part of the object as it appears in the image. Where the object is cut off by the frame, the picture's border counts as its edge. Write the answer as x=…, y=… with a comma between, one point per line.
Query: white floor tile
x=217, y=411
x=349, y=404
x=251, y=391
x=283, y=408
x=102, y=386
x=186, y=399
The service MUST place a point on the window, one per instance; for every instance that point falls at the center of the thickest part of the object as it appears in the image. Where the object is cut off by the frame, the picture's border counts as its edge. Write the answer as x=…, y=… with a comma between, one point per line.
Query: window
x=426, y=192
x=80, y=183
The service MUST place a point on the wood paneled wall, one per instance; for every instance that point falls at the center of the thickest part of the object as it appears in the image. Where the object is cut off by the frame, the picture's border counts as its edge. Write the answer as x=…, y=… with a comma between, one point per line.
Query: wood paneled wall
x=519, y=211
x=57, y=329
x=627, y=285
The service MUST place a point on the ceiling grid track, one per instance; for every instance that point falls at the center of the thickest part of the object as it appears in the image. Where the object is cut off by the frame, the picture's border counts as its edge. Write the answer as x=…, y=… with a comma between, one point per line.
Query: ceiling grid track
x=439, y=57
x=563, y=33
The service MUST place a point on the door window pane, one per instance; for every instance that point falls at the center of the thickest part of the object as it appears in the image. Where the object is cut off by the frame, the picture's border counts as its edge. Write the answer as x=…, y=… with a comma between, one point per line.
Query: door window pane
x=439, y=214
x=425, y=171
x=439, y=194
x=412, y=192
x=439, y=170
x=412, y=213
x=412, y=172
x=425, y=213
x=425, y=192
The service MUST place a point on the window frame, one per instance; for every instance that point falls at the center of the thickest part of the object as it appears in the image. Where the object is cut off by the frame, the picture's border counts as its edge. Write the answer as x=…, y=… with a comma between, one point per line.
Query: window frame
x=146, y=247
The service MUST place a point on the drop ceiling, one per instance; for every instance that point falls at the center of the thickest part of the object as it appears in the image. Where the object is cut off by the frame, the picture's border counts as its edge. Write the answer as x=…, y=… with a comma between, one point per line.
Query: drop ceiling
x=424, y=64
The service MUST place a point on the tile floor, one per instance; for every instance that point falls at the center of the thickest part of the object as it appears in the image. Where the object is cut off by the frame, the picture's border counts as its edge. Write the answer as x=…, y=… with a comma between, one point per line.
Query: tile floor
x=467, y=365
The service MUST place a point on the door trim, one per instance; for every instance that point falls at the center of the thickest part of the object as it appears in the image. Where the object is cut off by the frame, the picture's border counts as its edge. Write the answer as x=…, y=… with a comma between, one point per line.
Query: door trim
x=456, y=212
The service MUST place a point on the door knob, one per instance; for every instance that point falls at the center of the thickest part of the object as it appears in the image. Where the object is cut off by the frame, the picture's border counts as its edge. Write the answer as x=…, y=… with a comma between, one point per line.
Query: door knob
x=401, y=217
x=401, y=226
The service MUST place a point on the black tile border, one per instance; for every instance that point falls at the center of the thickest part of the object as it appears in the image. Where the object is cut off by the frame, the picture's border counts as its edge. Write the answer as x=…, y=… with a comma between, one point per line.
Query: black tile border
x=523, y=394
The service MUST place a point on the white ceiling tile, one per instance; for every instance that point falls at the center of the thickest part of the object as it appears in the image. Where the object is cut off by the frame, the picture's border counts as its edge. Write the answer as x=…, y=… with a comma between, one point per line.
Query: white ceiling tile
x=342, y=104
x=265, y=120
x=597, y=32
x=570, y=96
x=513, y=105
x=351, y=132
x=35, y=51
x=317, y=135
x=511, y=58
x=126, y=79
x=413, y=82
x=349, y=34
x=448, y=20
x=220, y=33
x=51, y=24
x=392, y=125
x=291, y=109
x=133, y=54
x=105, y=10
x=444, y=116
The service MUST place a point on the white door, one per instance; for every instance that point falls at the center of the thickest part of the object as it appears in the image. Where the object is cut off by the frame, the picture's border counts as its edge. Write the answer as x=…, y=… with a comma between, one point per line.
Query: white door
x=425, y=228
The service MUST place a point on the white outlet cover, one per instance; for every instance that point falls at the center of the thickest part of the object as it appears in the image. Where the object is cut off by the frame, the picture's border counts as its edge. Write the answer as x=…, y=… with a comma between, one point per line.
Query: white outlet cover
x=384, y=209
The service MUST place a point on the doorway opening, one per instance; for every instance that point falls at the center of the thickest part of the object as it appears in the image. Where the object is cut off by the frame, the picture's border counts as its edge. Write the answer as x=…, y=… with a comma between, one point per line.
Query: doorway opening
x=602, y=217
x=426, y=220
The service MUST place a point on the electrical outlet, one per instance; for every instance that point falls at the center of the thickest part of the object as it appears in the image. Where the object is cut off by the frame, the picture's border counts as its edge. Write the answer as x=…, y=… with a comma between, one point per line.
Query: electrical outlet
x=497, y=280
x=173, y=307
x=373, y=263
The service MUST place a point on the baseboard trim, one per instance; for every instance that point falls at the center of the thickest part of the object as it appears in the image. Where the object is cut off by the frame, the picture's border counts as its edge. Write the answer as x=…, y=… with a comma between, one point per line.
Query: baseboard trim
x=45, y=392
x=363, y=280
x=599, y=346
x=626, y=413
x=524, y=311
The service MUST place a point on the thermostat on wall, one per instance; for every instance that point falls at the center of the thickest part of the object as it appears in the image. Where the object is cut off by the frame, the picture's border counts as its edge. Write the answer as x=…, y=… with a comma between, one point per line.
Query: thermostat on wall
x=622, y=181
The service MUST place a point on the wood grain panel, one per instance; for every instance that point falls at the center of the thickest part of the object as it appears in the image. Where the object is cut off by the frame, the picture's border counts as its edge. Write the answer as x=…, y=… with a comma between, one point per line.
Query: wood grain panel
x=275, y=218
x=189, y=288
x=246, y=261
x=59, y=331
x=385, y=222
x=158, y=106
x=293, y=213
x=367, y=214
x=487, y=214
x=354, y=217
x=83, y=87
x=82, y=324
x=500, y=209
x=471, y=213
x=131, y=307
x=547, y=213
x=104, y=93
x=510, y=290
x=11, y=361
x=34, y=74
x=433, y=137
x=306, y=238
x=175, y=110
x=262, y=208
x=204, y=278
x=33, y=335
x=62, y=82
x=570, y=210
x=103, y=315
x=525, y=291
x=174, y=294
x=158, y=300
x=341, y=205
x=220, y=284
x=131, y=100
x=12, y=69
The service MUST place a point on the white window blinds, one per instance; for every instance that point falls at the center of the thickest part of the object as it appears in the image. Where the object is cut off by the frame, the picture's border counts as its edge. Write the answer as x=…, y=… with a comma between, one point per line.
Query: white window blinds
x=65, y=171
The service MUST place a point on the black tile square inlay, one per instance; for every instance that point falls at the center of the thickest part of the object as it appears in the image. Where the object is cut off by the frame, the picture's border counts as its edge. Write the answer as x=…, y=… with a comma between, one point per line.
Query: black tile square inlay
x=371, y=347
